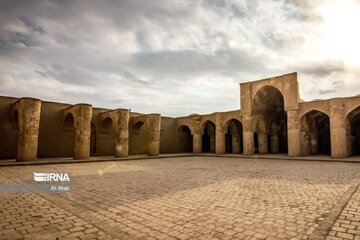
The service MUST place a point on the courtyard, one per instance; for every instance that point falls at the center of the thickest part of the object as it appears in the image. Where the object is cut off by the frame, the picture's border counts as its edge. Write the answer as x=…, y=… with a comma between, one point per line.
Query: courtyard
x=194, y=197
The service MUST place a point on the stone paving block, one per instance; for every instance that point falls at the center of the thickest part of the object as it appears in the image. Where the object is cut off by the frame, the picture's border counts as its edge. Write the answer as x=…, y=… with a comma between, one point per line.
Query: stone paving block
x=184, y=198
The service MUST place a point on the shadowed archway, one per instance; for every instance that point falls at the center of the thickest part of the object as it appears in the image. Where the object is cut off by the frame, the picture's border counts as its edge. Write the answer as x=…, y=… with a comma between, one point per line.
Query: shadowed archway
x=270, y=121
x=353, y=132
x=68, y=135
x=315, y=133
x=185, y=139
x=93, y=140
x=139, y=137
x=106, y=143
x=233, y=136
x=208, y=137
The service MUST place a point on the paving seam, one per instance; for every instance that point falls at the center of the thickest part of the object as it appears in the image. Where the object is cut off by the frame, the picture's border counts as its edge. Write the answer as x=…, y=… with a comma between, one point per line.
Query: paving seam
x=322, y=231
x=14, y=164
x=172, y=156
x=284, y=158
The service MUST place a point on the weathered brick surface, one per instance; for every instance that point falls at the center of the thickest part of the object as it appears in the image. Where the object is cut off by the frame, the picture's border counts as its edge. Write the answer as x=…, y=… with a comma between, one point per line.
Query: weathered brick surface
x=183, y=198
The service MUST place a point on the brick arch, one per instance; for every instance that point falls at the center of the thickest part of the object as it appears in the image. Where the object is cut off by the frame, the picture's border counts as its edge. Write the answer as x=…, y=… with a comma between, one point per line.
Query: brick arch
x=268, y=105
x=186, y=125
x=351, y=109
x=203, y=124
x=315, y=132
x=186, y=121
x=138, y=125
x=352, y=130
x=268, y=86
x=105, y=124
x=228, y=121
x=326, y=112
x=68, y=119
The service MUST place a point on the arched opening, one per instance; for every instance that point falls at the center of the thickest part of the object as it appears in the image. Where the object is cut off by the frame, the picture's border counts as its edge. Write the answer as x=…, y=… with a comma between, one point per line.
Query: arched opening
x=103, y=138
x=139, y=137
x=233, y=137
x=107, y=124
x=185, y=139
x=93, y=139
x=68, y=135
x=68, y=124
x=315, y=133
x=208, y=137
x=271, y=121
x=137, y=127
x=353, y=132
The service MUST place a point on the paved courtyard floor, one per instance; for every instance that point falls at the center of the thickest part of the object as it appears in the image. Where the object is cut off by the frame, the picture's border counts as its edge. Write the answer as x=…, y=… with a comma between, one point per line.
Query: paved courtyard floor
x=187, y=198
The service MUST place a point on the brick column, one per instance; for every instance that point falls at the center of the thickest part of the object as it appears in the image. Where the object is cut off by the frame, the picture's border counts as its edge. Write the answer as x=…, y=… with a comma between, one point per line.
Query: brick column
x=338, y=129
x=154, y=122
x=274, y=143
x=294, y=134
x=219, y=134
x=122, y=133
x=314, y=136
x=83, y=114
x=29, y=121
x=248, y=136
x=263, y=143
x=197, y=134
x=305, y=137
x=236, y=143
x=197, y=142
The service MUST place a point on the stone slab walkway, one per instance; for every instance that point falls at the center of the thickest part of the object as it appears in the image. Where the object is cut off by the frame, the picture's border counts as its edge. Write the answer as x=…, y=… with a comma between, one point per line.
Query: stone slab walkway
x=186, y=198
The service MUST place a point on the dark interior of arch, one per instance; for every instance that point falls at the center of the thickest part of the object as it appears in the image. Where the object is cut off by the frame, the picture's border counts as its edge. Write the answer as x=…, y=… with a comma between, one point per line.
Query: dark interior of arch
x=68, y=122
x=107, y=124
x=185, y=139
x=93, y=139
x=208, y=138
x=354, y=131
x=233, y=137
x=269, y=105
x=316, y=133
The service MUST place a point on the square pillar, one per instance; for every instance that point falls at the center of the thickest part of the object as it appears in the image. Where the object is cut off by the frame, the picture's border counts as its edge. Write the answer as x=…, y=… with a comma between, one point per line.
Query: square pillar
x=236, y=143
x=219, y=135
x=248, y=136
x=197, y=143
x=338, y=129
x=274, y=143
x=294, y=134
x=263, y=143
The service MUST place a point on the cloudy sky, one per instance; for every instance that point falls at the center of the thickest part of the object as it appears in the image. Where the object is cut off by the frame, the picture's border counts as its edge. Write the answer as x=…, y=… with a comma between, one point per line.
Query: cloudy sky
x=175, y=57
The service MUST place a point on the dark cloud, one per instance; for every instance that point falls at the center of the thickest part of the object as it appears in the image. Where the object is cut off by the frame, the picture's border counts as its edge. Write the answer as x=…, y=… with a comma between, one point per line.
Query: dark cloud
x=302, y=10
x=190, y=62
x=278, y=40
x=322, y=69
x=32, y=26
x=70, y=74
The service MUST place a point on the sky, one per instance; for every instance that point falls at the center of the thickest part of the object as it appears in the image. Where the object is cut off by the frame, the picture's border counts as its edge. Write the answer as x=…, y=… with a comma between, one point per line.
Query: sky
x=175, y=57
